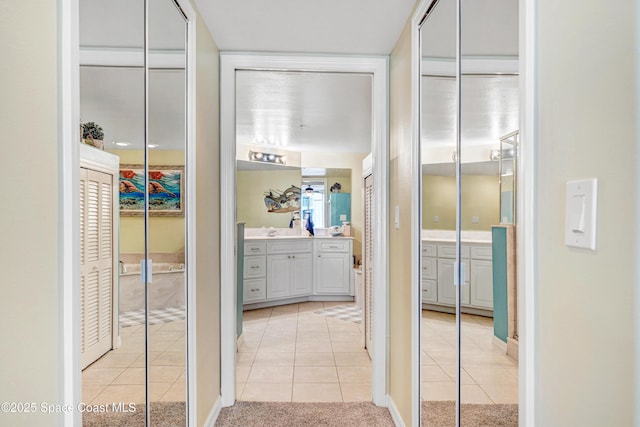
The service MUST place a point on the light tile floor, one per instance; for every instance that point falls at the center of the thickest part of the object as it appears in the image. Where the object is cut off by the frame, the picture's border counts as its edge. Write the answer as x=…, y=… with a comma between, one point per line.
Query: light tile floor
x=119, y=375
x=488, y=375
x=291, y=354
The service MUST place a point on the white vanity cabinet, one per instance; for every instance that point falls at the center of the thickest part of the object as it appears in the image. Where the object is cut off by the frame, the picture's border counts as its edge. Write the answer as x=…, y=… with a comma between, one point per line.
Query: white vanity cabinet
x=282, y=270
x=332, y=267
x=289, y=269
x=255, y=272
x=438, y=268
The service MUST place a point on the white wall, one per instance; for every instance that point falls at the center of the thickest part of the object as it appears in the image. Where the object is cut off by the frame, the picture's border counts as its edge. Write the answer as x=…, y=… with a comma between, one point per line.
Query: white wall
x=30, y=357
x=587, y=127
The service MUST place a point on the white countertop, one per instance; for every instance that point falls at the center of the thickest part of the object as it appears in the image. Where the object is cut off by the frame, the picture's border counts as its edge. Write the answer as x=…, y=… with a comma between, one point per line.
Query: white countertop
x=449, y=236
x=293, y=237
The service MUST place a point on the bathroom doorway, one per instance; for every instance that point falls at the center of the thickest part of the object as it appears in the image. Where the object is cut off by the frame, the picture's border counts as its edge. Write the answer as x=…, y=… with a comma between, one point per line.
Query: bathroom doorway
x=232, y=65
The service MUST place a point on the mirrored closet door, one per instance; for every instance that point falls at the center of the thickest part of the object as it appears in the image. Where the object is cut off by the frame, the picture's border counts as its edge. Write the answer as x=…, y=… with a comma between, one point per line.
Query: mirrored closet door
x=468, y=103
x=133, y=109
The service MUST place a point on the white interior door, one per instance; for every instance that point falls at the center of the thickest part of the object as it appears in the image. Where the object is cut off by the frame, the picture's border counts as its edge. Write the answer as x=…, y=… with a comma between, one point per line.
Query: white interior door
x=96, y=264
x=368, y=259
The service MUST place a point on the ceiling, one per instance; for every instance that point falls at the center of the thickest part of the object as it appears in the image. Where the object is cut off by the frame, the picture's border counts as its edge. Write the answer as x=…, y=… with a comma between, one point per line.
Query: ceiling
x=294, y=110
x=369, y=27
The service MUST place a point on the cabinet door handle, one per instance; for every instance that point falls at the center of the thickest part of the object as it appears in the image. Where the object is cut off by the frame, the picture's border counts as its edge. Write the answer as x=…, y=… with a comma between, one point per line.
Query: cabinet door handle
x=319, y=256
x=293, y=256
x=255, y=266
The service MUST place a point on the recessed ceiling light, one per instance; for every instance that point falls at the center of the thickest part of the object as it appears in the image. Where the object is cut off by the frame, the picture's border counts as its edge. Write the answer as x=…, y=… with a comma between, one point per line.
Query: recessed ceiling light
x=122, y=144
x=152, y=145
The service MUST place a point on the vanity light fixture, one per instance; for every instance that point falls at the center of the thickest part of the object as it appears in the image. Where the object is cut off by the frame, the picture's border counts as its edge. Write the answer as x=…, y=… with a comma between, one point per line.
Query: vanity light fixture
x=152, y=145
x=121, y=143
x=507, y=153
x=257, y=156
x=309, y=190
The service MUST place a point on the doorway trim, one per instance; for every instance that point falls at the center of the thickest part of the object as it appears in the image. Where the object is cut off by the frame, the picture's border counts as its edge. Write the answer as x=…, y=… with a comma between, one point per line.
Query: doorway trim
x=69, y=242
x=378, y=67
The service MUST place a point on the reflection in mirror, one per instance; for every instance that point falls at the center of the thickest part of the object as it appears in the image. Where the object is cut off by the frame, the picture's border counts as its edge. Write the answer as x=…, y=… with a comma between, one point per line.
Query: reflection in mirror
x=149, y=331
x=438, y=123
x=489, y=110
x=488, y=106
x=166, y=139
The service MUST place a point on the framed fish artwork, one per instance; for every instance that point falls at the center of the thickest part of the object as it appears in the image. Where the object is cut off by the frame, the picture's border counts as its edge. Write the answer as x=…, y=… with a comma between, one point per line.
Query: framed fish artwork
x=165, y=188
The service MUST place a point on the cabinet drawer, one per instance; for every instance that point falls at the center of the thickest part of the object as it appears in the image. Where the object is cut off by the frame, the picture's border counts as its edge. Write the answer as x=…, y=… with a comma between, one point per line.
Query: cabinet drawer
x=289, y=246
x=429, y=268
x=481, y=252
x=332, y=246
x=429, y=249
x=254, y=290
x=256, y=248
x=449, y=251
x=429, y=291
x=255, y=266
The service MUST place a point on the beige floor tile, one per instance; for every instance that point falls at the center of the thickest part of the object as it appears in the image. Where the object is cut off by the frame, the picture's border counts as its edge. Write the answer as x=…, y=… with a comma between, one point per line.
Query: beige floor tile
x=268, y=392
x=354, y=374
x=172, y=358
x=264, y=358
x=314, y=359
x=141, y=361
x=131, y=376
x=132, y=344
x=451, y=372
x=270, y=374
x=315, y=392
x=315, y=374
x=276, y=346
x=161, y=344
x=433, y=373
x=176, y=393
x=501, y=393
x=354, y=358
x=471, y=393
x=176, y=325
x=346, y=347
x=307, y=345
x=130, y=330
x=245, y=358
x=438, y=391
x=115, y=360
x=165, y=374
x=242, y=373
x=125, y=393
x=177, y=347
x=100, y=376
x=240, y=389
x=426, y=360
x=310, y=306
x=492, y=375
x=356, y=392
x=307, y=327
x=89, y=392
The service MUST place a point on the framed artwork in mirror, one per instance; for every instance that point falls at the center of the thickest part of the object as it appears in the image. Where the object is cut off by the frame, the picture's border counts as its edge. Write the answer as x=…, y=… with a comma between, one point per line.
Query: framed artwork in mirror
x=165, y=188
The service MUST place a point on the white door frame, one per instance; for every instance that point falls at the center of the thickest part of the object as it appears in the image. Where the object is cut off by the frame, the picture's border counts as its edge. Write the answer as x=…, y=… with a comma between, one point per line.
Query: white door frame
x=526, y=212
x=378, y=67
x=69, y=164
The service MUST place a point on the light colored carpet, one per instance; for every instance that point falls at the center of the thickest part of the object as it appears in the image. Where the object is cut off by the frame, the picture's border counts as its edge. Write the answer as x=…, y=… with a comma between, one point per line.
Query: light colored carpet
x=286, y=414
x=163, y=414
x=281, y=414
x=442, y=414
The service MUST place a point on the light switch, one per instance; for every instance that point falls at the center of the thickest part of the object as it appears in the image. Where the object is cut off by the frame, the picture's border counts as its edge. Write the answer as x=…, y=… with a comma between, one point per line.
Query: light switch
x=581, y=213
x=343, y=217
x=436, y=218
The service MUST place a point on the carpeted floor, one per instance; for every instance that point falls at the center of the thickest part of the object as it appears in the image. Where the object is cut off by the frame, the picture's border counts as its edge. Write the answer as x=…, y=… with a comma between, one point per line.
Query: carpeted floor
x=442, y=414
x=281, y=414
x=163, y=414
x=287, y=414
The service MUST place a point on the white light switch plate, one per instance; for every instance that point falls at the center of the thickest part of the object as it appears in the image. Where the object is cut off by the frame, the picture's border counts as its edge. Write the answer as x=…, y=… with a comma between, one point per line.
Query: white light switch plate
x=581, y=214
x=396, y=220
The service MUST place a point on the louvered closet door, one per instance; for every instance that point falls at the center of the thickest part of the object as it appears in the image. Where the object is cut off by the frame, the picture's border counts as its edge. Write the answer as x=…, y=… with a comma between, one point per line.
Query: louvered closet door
x=368, y=259
x=96, y=263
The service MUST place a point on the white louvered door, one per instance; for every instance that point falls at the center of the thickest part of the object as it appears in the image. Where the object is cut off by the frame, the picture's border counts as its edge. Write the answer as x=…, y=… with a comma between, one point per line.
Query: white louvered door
x=96, y=264
x=368, y=260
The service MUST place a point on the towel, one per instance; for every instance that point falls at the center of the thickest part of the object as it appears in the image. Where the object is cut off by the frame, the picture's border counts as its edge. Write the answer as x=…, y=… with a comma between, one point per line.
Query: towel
x=309, y=224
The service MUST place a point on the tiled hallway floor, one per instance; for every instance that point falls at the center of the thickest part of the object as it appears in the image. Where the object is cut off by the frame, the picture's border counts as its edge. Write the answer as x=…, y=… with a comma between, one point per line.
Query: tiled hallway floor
x=488, y=375
x=119, y=375
x=291, y=354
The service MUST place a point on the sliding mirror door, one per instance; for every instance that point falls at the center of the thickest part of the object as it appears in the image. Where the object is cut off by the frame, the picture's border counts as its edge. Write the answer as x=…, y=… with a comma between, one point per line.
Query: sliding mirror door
x=468, y=103
x=133, y=105
x=438, y=136
x=489, y=110
x=167, y=213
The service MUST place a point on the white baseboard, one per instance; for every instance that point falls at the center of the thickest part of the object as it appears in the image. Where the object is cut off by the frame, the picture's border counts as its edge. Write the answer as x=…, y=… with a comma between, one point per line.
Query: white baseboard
x=500, y=344
x=213, y=415
x=395, y=414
